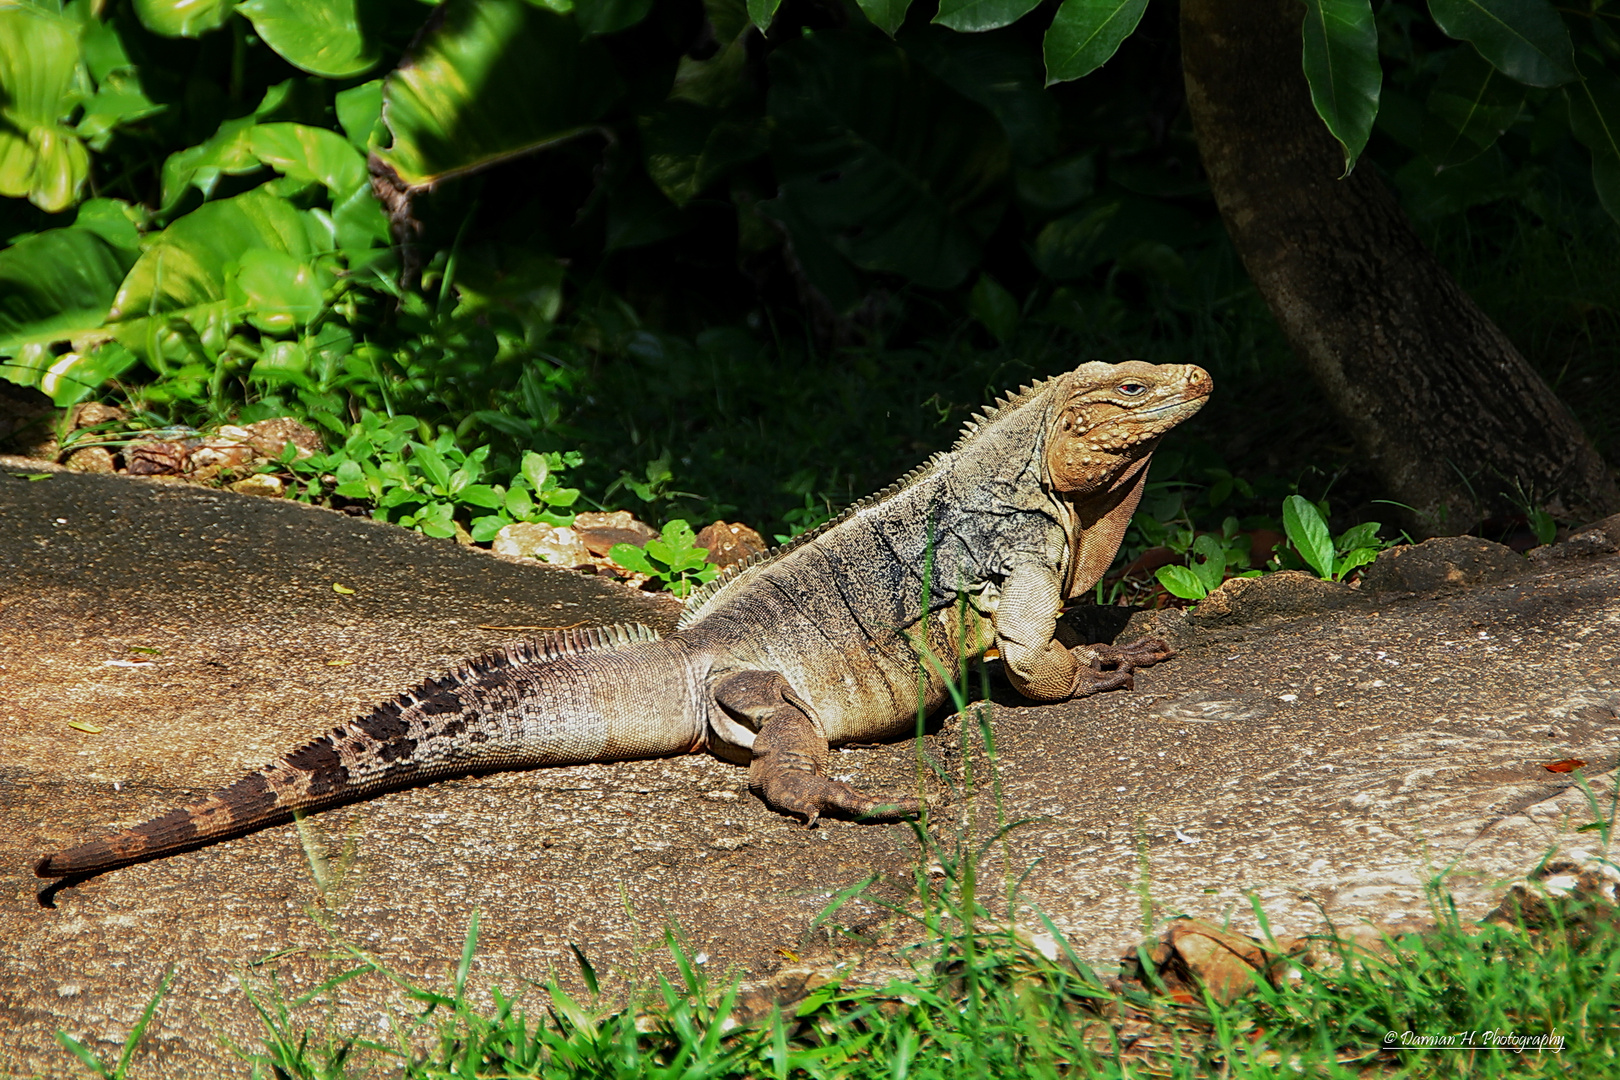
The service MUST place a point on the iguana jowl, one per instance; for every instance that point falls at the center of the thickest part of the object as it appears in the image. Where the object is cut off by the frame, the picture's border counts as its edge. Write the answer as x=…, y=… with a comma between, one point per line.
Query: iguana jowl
x=813, y=644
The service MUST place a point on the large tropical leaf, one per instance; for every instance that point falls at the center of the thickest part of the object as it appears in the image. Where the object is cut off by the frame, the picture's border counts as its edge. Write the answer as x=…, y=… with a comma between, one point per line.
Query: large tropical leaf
x=1594, y=113
x=183, y=18
x=189, y=263
x=1471, y=104
x=1525, y=39
x=41, y=81
x=1085, y=33
x=57, y=284
x=892, y=168
x=1341, y=65
x=310, y=153
x=321, y=36
x=495, y=78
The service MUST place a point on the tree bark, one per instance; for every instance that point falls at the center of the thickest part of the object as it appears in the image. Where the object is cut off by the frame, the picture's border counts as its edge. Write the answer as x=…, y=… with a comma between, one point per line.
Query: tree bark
x=1450, y=417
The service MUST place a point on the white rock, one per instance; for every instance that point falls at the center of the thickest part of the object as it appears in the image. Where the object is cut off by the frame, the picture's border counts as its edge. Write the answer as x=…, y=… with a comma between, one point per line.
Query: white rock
x=548, y=543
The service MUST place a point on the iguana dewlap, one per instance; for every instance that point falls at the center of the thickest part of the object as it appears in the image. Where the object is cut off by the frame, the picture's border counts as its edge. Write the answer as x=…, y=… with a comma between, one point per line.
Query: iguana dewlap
x=814, y=644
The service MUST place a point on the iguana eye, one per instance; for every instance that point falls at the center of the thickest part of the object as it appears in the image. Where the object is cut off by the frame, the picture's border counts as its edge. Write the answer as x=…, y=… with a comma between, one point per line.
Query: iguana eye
x=1132, y=389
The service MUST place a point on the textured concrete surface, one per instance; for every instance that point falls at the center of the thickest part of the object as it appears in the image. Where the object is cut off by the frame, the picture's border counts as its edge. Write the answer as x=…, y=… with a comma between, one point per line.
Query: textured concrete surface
x=1334, y=761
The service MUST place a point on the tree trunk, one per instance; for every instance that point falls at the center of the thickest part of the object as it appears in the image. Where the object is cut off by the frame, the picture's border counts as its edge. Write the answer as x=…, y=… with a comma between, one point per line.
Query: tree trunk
x=1450, y=417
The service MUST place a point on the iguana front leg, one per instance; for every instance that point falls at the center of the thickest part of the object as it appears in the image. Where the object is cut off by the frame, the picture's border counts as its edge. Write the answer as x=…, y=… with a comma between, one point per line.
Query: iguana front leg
x=1040, y=666
x=789, y=768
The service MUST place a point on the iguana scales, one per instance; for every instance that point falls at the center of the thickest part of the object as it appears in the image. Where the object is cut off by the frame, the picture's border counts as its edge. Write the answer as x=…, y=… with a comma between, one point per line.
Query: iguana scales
x=815, y=643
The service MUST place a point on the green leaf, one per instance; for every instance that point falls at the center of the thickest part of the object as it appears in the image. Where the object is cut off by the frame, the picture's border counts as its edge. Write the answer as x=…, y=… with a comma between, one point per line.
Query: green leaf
x=518, y=503
x=535, y=470
x=995, y=308
x=284, y=362
x=1085, y=33
x=431, y=465
x=761, y=12
x=1308, y=532
x=881, y=161
x=1470, y=106
x=41, y=82
x=280, y=292
x=631, y=558
x=1341, y=65
x=1210, y=567
x=1525, y=39
x=689, y=147
x=887, y=15
x=359, y=111
x=1594, y=114
x=183, y=18
x=495, y=78
x=310, y=153
x=1352, y=559
x=323, y=37
x=187, y=264
x=229, y=151
x=119, y=100
x=56, y=284
x=999, y=71
x=484, y=529
x=1363, y=535
x=609, y=16
x=1105, y=229
x=480, y=495
x=976, y=16
x=1182, y=582
x=74, y=376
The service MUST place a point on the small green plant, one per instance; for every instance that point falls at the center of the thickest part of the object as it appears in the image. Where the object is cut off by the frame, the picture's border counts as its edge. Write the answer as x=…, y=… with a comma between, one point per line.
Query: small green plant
x=673, y=560
x=535, y=495
x=1332, y=558
x=436, y=487
x=1210, y=557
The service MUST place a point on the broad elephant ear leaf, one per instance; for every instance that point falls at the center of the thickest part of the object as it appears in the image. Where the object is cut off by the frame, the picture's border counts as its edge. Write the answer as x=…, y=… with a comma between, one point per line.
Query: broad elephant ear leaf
x=323, y=37
x=188, y=264
x=183, y=18
x=494, y=79
x=57, y=284
x=891, y=167
x=41, y=81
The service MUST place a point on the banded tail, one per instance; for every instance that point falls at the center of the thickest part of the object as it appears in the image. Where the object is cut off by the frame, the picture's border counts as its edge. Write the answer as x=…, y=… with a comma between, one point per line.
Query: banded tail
x=552, y=701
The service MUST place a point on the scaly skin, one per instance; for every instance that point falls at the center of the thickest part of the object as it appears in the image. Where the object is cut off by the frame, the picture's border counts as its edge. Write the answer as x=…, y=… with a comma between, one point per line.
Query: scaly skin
x=815, y=644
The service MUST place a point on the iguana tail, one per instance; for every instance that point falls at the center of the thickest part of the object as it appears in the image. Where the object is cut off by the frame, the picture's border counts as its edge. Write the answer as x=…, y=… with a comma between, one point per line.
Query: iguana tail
x=569, y=698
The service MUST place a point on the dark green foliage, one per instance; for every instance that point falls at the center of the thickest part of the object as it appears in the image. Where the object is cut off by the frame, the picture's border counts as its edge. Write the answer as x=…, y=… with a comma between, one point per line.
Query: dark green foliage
x=782, y=264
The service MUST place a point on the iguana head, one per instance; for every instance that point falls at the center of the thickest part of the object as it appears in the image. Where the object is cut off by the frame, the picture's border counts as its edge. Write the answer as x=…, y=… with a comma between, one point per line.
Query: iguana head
x=1109, y=417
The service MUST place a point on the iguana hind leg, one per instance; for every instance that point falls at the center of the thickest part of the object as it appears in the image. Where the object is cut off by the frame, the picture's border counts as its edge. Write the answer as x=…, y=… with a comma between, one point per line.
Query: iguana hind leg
x=789, y=768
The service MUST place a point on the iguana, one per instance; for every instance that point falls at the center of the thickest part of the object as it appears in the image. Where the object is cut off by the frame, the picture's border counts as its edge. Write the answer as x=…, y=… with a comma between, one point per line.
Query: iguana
x=814, y=644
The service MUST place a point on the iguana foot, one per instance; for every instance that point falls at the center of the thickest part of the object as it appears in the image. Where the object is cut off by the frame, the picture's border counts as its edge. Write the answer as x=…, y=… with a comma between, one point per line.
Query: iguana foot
x=789, y=769
x=1143, y=652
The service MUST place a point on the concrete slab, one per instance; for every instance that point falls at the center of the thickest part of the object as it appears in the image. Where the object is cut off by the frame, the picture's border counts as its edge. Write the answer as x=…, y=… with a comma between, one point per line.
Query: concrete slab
x=1330, y=762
